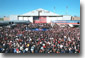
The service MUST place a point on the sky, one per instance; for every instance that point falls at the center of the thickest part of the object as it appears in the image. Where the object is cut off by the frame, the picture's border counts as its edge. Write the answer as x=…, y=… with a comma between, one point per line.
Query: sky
x=16, y=7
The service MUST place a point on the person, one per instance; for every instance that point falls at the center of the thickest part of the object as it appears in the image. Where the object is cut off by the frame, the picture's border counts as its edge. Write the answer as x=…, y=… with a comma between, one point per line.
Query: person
x=24, y=39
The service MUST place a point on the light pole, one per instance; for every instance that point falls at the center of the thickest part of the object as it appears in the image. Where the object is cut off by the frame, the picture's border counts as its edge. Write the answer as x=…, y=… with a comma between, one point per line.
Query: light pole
x=66, y=10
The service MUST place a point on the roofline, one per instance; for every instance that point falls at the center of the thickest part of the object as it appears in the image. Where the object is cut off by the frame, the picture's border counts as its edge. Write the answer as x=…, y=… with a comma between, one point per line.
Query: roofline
x=40, y=15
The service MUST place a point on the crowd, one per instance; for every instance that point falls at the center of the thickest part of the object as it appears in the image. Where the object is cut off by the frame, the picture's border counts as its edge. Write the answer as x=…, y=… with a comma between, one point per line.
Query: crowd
x=21, y=39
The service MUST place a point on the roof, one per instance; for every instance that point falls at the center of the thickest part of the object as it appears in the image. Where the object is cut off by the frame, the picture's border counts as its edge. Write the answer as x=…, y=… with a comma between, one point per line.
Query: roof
x=42, y=13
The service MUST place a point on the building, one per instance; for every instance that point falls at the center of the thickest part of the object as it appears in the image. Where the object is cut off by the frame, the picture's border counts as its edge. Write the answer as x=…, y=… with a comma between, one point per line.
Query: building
x=40, y=16
x=75, y=18
x=6, y=18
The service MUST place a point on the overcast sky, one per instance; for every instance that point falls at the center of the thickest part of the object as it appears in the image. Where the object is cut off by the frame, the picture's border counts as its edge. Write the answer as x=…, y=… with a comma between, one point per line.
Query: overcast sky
x=14, y=7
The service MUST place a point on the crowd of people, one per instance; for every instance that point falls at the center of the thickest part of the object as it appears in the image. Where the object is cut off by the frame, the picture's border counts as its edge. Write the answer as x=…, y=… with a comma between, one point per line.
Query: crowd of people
x=57, y=39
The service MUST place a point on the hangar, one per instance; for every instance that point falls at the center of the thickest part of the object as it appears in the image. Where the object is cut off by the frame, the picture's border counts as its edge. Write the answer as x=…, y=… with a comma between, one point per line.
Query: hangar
x=40, y=16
